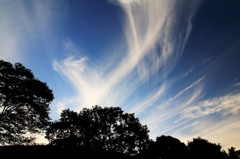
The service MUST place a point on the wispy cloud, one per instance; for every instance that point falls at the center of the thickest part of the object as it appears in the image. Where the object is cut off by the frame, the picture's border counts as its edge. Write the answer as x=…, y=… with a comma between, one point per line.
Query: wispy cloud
x=185, y=90
x=186, y=74
x=155, y=42
x=24, y=23
x=168, y=115
x=236, y=84
x=149, y=101
x=9, y=35
x=215, y=119
x=87, y=81
x=156, y=33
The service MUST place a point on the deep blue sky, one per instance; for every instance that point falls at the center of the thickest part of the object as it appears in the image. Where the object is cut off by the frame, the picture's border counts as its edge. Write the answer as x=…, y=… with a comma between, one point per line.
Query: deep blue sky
x=175, y=64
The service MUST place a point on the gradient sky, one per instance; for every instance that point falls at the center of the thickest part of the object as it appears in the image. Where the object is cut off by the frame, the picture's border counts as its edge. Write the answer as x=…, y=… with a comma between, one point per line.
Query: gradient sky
x=175, y=64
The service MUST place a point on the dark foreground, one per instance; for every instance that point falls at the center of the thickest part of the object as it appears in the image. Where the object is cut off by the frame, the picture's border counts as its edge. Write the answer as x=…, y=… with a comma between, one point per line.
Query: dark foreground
x=50, y=152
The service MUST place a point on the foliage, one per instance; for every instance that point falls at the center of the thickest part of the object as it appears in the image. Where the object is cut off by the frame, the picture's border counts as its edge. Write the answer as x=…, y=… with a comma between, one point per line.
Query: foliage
x=97, y=132
x=24, y=104
x=107, y=128
x=202, y=149
x=233, y=154
x=49, y=151
x=165, y=147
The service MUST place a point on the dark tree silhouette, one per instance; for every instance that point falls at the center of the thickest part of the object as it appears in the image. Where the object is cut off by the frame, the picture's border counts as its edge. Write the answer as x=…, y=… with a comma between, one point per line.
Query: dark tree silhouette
x=24, y=104
x=202, y=149
x=166, y=147
x=105, y=128
x=233, y=153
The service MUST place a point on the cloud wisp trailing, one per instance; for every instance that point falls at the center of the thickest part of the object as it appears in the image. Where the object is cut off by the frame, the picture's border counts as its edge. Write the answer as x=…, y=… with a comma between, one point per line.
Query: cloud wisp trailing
x=203, y=116
x=137, y=75
x=156, y=33
x=139, y=78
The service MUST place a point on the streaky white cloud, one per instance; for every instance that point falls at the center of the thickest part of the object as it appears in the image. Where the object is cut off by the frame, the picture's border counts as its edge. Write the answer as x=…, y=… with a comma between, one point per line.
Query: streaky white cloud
x=225, y=105
x=167, y=115
x=214, y=131
x=86, y=81
x=151, y=28
x=149, y=101
x=155, y=42
x=215, y=119
x=185, y=90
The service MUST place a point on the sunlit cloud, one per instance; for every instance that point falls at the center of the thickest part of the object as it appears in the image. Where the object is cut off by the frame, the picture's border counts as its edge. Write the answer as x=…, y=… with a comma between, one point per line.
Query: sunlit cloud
x=151, y=29
x=226, y=105
x=86, y=80
x=153, y=49
x=155, y=42
x=136, y=75
x=214, y=119
x=167, y=116
x=225, y=129
x=203, y=116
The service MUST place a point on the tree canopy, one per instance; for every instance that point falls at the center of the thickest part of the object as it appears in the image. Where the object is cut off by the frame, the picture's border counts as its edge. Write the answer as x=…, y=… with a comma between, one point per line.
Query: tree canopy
x=104, y=131
x=107, y=128
x=165, y=147
x=203, y=149
x=24, y=104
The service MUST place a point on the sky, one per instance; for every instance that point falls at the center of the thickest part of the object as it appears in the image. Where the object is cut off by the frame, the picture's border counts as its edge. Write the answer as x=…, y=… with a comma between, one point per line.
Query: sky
x=174, y=64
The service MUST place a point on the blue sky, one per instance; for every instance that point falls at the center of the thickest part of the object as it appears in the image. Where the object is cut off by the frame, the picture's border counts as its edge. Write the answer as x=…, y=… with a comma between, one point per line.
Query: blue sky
x=175, y=64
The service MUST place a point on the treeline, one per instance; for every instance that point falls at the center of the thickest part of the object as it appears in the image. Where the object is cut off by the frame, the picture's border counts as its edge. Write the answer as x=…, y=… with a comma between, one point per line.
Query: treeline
x=103, y=132
x=165, y=147
x=49, y=151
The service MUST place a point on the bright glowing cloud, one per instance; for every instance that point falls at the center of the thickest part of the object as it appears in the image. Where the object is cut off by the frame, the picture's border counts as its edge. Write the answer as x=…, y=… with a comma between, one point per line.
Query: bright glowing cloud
x=153, y=47
x=86, y=80
x=143, y=71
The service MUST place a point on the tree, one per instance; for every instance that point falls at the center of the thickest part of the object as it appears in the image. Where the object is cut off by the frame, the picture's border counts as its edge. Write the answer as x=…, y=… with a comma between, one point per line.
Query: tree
x=233, y=153
x=166, y=147
x=202, y=149
x=24, y=104
x=105, y=128
x=169, y=147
